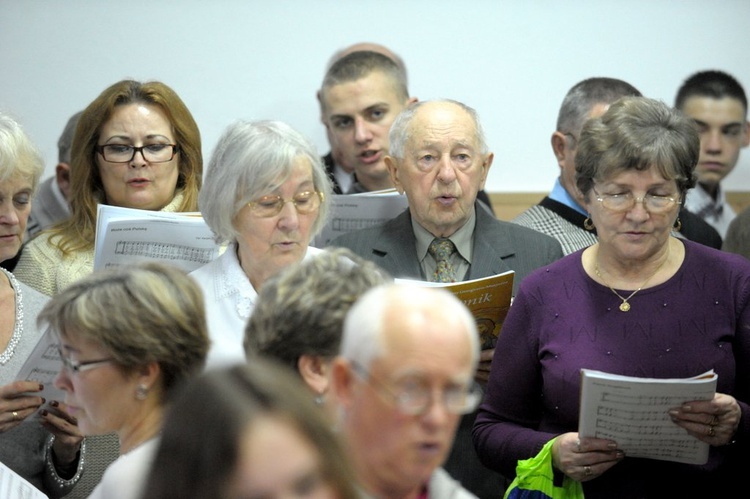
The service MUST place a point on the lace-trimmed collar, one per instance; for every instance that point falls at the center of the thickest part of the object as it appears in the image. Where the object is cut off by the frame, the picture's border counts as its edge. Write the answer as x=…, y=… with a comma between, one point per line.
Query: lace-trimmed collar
x=232, y=281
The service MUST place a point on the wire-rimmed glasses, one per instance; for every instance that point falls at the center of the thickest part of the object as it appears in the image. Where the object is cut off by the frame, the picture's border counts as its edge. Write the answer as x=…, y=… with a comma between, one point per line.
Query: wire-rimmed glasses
x=414, y=398
x=305, y=203
x=75, y=367
x=626, y=201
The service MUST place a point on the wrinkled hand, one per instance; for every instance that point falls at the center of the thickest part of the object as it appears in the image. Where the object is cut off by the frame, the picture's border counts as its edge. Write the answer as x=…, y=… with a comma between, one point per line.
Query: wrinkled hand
x=712, y=421
x=17, y=402
x=483, y=369
x=584, y=459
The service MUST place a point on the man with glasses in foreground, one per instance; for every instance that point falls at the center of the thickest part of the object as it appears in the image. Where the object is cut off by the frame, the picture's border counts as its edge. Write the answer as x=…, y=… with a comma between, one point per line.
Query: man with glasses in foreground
x=404, y=377
x=561, y=214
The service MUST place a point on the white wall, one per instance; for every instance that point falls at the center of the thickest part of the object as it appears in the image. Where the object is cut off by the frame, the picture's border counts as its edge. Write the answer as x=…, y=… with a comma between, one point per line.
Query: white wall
x=513, y=61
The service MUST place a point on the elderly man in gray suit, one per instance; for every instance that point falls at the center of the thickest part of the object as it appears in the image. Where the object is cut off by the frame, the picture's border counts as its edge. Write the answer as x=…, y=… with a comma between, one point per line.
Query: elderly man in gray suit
x=439, y=158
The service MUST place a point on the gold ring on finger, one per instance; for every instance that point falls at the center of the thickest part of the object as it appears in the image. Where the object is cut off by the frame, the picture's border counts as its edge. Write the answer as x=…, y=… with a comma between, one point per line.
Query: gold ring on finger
x=15, y=415
x=711, y=432
x=587, y=470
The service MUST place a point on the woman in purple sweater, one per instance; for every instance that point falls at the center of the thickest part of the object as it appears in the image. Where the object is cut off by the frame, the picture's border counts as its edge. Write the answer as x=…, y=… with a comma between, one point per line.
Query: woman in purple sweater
x=640, y=302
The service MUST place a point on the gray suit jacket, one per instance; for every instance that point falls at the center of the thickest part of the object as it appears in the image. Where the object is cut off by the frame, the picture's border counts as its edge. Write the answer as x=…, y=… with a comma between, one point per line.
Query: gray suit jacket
x=46, y=209
x=498, y=247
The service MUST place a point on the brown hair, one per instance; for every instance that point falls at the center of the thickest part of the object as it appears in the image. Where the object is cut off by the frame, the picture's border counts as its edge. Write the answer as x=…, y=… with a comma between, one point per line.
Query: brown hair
x=77, y=232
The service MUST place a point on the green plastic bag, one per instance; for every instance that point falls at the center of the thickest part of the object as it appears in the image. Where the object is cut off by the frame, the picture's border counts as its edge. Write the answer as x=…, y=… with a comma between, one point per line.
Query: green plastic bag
x=534, y=479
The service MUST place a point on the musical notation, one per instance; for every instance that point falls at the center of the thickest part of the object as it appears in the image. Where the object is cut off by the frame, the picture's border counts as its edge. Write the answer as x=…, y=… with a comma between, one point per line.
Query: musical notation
x=351, y=212
x=164, y=251
x=125, y=236
x=634, y=412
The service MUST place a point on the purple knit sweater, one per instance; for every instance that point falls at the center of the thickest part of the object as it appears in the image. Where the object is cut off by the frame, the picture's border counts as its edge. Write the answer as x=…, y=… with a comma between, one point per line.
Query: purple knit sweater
x=562, y=321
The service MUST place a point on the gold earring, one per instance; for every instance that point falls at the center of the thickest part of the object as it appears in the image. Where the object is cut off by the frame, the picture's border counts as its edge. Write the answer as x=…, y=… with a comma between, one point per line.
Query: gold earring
x=588, y=224
x=677, y=225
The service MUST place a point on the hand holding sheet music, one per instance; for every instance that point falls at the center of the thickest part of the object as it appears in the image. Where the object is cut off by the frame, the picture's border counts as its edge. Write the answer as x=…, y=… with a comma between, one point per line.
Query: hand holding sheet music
x=634, y=412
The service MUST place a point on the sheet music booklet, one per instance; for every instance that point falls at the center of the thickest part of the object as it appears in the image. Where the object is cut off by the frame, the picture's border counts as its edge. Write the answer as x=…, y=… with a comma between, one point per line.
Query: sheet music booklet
x=125, y=236
x=634, y=412
x=488, y=299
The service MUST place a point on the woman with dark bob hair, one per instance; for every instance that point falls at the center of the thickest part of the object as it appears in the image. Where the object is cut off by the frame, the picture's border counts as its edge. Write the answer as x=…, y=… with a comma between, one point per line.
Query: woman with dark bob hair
x=639, y=302
x=248, y=430
x=135, y=146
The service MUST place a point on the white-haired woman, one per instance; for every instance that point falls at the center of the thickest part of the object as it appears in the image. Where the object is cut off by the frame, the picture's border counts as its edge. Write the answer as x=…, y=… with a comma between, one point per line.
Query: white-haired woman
x=27, y=421
x=266, y=194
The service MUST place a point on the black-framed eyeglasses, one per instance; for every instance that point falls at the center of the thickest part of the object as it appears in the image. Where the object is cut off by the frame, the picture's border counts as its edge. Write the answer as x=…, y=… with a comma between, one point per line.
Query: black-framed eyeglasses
x=269, y=206
x=414, y=398
x=153, y=153
x=626, y=201
x=75, y=367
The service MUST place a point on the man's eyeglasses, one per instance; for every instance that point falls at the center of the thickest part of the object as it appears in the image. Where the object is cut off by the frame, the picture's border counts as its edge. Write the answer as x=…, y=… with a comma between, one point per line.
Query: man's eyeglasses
x=269, y=206
x=625, y=202
x=75, y=367
x=153, y=153
x=415, y=398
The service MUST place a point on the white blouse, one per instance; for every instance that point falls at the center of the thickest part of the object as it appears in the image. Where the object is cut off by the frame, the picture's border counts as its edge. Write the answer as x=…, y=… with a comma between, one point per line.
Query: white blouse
x=229, y=299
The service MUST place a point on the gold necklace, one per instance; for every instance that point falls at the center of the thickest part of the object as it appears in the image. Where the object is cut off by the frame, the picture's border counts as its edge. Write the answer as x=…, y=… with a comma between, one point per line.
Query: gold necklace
x=625, y=306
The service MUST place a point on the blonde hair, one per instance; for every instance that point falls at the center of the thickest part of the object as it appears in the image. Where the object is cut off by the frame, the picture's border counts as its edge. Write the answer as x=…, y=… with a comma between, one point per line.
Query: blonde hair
x=149, y=312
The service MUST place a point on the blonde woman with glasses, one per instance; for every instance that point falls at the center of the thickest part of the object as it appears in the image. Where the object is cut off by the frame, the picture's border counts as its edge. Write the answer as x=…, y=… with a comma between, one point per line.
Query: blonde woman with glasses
x=128, y=338
x=266, y=195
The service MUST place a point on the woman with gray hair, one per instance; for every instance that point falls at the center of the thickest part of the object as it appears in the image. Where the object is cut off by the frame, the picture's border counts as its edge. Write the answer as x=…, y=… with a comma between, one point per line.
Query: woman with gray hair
x=640, y=302
x=265, y=195
x=300, y=312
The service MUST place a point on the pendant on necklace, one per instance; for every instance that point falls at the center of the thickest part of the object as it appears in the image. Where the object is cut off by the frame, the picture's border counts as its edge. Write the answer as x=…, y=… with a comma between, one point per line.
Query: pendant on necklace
x=624, y=306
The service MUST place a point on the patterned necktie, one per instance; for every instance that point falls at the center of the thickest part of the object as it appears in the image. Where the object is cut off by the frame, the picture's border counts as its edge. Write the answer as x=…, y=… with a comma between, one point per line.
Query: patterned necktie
x=441, y=250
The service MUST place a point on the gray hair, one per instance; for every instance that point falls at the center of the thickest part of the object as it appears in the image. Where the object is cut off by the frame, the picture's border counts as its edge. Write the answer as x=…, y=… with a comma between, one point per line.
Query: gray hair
x=584, y=95
x=251, y=159
x=637, y=133
x=18, y=155
x=301, y=310
x=365, y=324
x=401, y=131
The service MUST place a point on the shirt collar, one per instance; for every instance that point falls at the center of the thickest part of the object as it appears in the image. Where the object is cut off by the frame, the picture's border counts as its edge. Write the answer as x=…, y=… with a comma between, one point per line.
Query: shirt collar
x=560, y=195
x=462, y=238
